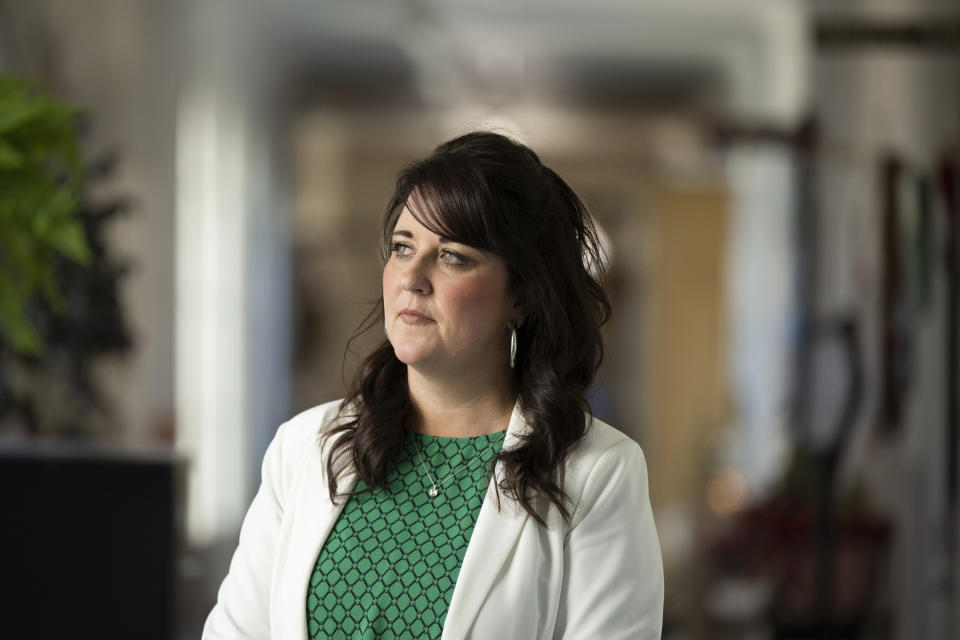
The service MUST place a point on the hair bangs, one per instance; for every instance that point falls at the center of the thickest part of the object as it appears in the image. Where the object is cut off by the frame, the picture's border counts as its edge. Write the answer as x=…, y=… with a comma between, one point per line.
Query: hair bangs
x=448, y=199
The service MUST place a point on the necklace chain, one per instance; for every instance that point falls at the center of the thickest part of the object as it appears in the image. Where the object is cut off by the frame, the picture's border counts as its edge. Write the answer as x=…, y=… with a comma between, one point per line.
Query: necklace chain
x=435, y=489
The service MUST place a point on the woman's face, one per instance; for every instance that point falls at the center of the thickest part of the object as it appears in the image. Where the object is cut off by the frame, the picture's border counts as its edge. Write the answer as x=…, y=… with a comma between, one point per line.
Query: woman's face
x=447, y=305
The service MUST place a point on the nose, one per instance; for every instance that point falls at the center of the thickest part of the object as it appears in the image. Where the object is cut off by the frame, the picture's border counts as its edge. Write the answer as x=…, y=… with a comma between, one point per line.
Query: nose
x=415, y=279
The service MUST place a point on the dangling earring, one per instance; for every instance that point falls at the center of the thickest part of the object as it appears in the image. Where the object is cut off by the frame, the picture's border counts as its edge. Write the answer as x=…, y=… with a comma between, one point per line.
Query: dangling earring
x=513, y=346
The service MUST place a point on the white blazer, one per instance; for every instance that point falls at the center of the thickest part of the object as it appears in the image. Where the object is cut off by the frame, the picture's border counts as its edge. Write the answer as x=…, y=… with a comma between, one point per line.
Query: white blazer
x=597, y=577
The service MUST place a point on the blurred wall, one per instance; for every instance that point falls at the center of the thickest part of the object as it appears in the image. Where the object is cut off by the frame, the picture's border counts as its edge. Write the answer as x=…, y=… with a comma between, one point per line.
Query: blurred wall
x=118, y=60
x=877, y=101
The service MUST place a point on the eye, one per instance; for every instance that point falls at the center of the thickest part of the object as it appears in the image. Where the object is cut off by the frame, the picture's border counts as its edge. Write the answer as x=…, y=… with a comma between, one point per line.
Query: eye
x=452, y=258
x=401, y=249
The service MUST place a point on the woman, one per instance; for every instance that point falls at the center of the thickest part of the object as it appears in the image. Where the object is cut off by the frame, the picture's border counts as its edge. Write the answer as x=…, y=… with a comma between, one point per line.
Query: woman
x=462, y=489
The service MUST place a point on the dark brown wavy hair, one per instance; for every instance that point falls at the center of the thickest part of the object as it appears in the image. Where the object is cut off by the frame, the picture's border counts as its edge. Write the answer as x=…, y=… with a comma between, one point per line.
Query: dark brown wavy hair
x=488, y=191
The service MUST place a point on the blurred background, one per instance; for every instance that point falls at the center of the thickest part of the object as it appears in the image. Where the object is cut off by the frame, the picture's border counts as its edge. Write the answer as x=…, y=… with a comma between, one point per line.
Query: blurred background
x=776, y=182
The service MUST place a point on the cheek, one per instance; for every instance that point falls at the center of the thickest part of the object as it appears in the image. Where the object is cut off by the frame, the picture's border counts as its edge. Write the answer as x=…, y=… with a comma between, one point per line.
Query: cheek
x=390, y=288
x=389, y=279
x=477, y=302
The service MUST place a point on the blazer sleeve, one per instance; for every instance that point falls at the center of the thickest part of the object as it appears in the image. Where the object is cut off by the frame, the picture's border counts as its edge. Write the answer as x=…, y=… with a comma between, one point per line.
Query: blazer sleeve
x=613, y=571
x=243, y=601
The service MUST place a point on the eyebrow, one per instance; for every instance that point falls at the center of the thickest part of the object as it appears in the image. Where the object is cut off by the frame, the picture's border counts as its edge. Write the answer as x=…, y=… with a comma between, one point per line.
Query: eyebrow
x=407, y=234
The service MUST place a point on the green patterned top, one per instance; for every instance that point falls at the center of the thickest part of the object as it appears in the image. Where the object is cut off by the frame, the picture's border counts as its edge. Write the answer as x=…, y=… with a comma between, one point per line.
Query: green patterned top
x=388, y=568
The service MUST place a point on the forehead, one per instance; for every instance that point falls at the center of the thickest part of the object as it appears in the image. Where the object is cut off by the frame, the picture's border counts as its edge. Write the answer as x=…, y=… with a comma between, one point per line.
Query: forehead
x=407, y=224
x=406, y=220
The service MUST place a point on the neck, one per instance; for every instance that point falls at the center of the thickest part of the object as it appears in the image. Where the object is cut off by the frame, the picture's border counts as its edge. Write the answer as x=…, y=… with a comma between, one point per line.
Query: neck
x=463, y=409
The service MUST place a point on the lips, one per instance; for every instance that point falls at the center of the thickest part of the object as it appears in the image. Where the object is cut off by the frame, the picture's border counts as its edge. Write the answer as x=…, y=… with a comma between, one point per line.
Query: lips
x=412, y=316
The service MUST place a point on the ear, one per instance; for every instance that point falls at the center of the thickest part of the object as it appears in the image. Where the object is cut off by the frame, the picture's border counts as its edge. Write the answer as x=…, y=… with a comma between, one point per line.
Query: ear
x=517, y=314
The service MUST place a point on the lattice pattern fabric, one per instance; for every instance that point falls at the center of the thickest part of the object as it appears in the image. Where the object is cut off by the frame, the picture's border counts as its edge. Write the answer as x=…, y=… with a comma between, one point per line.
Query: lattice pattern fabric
x=388, y=568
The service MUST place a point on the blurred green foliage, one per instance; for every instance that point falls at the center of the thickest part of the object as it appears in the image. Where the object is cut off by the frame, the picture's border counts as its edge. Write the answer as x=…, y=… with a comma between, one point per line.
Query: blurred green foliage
x=41, y=178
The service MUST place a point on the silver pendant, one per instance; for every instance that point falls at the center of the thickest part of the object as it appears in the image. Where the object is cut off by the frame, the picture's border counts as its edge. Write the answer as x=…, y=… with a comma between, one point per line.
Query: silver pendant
x=434, y=492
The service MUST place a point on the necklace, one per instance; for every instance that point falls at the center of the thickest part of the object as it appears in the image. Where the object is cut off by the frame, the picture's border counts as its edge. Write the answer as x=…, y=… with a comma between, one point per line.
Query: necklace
x=435, y=489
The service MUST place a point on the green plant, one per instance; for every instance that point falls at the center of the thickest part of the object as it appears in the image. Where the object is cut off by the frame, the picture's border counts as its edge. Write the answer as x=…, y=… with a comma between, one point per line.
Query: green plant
x=41, y=178
x=60, y=309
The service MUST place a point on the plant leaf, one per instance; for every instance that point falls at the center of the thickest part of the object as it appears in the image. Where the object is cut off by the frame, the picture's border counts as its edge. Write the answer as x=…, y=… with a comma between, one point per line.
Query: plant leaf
x=10, y=157
x=70, y=240
x=14, y=324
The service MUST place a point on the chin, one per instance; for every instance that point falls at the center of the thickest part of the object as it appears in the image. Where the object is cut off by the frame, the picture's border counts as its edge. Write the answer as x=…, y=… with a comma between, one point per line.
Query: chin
x=408, y=355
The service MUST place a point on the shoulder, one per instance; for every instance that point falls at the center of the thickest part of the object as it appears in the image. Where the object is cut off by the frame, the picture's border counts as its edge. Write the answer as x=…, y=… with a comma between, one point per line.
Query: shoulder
x=605, y=462
x=602, y=447
x=302, y=432
x=311, y=423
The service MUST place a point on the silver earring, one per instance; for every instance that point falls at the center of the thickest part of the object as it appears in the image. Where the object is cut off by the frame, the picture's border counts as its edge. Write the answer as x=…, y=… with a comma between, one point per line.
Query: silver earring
x=513, y=346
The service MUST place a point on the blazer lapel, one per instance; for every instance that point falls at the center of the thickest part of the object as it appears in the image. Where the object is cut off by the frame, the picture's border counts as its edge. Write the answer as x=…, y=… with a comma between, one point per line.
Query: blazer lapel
x=314, y=516
x=491, y=544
